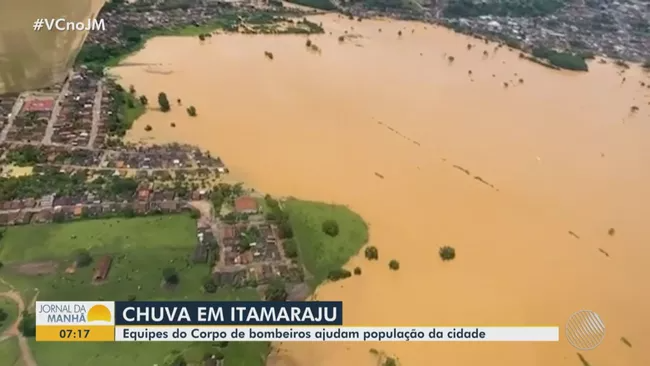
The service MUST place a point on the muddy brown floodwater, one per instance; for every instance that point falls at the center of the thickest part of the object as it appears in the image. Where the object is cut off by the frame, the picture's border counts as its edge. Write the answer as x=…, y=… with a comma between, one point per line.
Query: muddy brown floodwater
x=562, y=150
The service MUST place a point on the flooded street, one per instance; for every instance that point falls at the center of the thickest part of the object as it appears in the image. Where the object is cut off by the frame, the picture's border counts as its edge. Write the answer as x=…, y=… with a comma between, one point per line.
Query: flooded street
x=562, y=151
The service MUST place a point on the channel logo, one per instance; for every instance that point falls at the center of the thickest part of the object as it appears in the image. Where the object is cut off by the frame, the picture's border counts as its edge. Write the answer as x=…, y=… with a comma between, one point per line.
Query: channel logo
x=74, y=313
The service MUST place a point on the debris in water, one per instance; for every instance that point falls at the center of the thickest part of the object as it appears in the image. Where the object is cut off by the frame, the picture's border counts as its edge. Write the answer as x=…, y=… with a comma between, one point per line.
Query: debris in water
x=604, y=252
x=379, y=175
x=611, y=231
x=483, y=181
x=626, y=342
x=461, y=169
x=583, y=360
x=574, y=234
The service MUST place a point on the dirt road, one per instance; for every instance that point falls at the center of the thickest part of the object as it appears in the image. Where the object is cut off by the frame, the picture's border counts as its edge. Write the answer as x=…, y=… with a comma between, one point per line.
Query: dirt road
x=14, y=331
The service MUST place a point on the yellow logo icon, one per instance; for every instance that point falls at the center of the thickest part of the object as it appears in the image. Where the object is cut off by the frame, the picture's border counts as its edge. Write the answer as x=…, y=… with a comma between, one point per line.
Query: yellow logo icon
x=99, y=313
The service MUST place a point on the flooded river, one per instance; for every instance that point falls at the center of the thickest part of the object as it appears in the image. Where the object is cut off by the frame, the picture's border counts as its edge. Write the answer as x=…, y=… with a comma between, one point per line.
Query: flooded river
x=563, y=152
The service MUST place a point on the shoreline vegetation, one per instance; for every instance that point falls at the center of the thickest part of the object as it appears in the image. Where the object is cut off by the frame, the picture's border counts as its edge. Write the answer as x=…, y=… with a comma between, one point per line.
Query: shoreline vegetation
x=553, y=59
x=278, y=19
x=245, y=21
x=567, y=59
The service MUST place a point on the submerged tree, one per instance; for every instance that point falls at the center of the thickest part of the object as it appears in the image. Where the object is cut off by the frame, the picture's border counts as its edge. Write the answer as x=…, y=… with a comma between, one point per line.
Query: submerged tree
x=393, y=265
x=143, y=100
x=163, y=102
x=371, y=253
x=447, y=253
x=191, y=111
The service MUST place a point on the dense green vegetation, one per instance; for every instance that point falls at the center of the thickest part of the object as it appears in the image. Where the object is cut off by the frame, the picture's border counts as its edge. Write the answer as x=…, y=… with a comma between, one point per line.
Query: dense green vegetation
x=562, y=60
x=27, y=155
x=317, y=4
x=389, y=6
x=125, y=108
x=51, y=180
x=132, y=38
x=324, y=255
x=513, y=8
x=8, y=314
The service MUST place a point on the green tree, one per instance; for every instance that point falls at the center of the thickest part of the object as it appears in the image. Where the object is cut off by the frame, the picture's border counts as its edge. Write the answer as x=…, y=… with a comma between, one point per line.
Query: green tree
x=447, y=253
x=202, y=37
x=393, y=264
x=82, y=258
x=170, y=276
x=290, y=248
x=371, y=253
x=163, y=102
x=3, y=315
x=276, y=291
x=330, y=227
x=338, y=274
x=27, y=325
x=286, y=231
x=390, y=362
x=209, y=285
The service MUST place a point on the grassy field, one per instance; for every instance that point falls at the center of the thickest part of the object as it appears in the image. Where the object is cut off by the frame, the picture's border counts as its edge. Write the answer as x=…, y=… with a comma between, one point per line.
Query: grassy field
x=142, y=247
x=319, y=252
x=11, y=309
x=59, y=241
x=10, y=353
x=134, y=112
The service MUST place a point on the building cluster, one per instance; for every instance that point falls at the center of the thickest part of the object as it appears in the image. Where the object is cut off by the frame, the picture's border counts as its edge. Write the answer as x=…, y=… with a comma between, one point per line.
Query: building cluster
x=79, y=113
x=54, y=208
x=251, y=250
x=7, y=102
x=30, y=123
x=617, y=29
x=144, y=16
x=69, y=113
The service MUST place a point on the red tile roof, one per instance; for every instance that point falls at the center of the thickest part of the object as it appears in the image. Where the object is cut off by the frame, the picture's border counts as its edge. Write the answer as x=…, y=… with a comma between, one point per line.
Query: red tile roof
x=243, y=204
